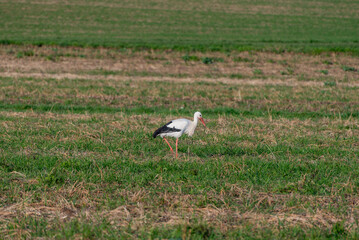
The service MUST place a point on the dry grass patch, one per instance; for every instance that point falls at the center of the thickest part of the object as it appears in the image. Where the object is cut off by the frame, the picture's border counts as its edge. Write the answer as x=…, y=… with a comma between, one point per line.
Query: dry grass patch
x=112, y=63
x=161, y=209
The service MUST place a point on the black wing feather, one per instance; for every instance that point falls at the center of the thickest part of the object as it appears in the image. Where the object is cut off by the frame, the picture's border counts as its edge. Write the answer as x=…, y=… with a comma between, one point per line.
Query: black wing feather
x=165, y=129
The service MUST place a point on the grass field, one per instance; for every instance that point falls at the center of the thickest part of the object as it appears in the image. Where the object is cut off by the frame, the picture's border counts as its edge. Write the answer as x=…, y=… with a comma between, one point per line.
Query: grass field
x=309, y=25
x=84, y=84
x=279, y=158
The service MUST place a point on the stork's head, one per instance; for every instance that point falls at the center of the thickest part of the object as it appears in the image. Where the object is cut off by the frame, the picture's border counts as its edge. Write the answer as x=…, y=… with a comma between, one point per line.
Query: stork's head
x=198, y=115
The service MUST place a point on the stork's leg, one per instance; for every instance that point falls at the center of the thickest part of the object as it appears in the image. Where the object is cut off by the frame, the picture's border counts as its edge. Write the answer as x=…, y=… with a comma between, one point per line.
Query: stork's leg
x=176, y=146
x=168, y=144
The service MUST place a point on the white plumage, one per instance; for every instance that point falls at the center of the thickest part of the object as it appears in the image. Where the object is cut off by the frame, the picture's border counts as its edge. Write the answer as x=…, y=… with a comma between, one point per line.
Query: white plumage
x=176, y=128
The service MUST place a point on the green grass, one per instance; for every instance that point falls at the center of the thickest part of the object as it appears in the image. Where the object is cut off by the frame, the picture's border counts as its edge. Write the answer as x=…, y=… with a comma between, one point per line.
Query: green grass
x=279, y=157
x=81, y=95
x=308, y=26
x=348, y=69
x=56, y=152
x=80, y=154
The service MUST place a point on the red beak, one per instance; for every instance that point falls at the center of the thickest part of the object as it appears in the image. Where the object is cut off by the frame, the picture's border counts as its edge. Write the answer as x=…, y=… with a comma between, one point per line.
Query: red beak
x=202, y=121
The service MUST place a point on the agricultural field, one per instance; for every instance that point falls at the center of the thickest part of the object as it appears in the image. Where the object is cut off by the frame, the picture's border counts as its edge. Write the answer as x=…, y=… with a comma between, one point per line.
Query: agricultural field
x=279, y=158
x=309, y=25
x=84, y=84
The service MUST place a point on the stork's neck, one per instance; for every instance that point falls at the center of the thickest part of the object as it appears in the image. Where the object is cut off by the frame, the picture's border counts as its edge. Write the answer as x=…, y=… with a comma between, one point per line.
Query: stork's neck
x=195, y=121
x=192, y=127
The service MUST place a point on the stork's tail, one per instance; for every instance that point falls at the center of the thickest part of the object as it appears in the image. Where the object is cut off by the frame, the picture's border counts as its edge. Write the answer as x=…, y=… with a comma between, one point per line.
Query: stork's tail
x=156, y=133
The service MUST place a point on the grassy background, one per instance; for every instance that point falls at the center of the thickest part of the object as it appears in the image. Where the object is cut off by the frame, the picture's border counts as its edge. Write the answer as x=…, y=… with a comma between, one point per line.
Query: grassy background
x=199, y=25
x=278, y=160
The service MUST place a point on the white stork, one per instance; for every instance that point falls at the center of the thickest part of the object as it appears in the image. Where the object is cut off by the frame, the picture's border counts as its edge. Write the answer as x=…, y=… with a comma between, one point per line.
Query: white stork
x=176, y=128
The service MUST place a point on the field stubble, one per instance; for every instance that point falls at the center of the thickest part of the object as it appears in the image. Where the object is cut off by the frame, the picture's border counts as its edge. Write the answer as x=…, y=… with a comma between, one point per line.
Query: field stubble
x=280, y=157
